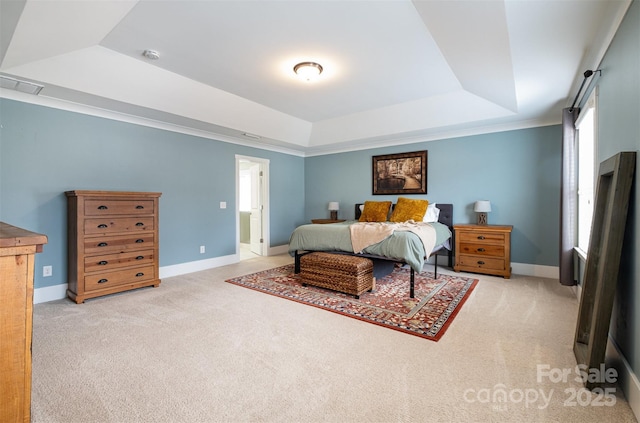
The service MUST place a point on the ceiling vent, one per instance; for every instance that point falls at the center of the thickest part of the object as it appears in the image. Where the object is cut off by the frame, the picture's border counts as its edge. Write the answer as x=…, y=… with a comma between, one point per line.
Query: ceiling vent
x=253, y=136
x=18, y=85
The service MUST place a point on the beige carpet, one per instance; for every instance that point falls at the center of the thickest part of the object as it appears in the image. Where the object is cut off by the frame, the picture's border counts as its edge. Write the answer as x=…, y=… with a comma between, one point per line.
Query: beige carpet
x=198, y=349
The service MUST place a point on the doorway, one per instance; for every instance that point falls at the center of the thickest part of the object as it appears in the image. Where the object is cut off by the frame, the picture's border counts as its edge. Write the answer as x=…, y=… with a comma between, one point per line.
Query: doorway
x=252, y=199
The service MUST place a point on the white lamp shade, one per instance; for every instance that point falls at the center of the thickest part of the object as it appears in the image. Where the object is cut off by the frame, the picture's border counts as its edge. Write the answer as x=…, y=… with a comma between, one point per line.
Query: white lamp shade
x=482, y=206
x=333, y=205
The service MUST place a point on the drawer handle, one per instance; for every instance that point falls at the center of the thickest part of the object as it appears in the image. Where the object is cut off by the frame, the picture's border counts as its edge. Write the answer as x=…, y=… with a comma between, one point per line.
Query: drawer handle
x=102, y=226
x=481, y=250
x=103, y=280
x=102, y=207
x=139, y=241
x=480, y=262
x=481, y=237
x=103, y=262
x=139, y=257
x=139, y=207
x=139, y=274
x=102, y=244
x=139, y=224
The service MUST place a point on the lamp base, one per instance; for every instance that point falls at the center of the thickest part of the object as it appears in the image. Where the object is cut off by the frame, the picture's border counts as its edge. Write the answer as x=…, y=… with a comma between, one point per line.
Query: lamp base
x=482, y=218
x=334, y=214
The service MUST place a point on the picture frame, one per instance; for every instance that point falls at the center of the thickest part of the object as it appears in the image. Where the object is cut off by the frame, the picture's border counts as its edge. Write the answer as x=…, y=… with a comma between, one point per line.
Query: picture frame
x=404, y=173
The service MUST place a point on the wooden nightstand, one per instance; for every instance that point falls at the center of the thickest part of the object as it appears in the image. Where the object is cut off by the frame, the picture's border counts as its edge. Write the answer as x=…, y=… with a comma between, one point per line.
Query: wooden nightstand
x=483, y=249
x=323, y=221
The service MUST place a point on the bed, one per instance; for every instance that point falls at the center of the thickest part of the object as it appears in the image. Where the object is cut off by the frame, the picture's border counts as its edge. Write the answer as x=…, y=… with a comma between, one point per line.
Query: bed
x=401, y=247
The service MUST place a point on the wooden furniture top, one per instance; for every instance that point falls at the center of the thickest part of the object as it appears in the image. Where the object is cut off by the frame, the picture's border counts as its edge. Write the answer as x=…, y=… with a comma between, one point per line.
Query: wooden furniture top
x=125, y=194
x=12, y=236
x=484, y=227
x=324, y=221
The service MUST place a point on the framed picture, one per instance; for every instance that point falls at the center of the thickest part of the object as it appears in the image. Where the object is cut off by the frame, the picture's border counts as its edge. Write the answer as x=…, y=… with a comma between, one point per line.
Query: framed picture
x=404, y=173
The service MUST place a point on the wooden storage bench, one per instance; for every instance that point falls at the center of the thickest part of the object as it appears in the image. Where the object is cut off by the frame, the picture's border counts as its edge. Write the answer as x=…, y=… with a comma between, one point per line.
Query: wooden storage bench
x=345, y=273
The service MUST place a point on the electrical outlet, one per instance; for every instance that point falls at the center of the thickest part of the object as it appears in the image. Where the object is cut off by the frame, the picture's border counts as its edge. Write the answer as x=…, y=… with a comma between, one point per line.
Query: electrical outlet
x=47, y=271
x=202, y=249
x=223, y=204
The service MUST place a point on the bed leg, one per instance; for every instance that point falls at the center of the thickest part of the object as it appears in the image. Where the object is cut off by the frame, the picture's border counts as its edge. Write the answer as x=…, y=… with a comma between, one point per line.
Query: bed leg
x=435, y=269
x=296, y=268
x=411, y=282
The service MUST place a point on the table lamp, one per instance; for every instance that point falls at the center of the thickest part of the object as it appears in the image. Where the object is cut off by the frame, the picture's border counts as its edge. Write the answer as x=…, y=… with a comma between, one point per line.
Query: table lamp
x=482, y=207
x=333, y=208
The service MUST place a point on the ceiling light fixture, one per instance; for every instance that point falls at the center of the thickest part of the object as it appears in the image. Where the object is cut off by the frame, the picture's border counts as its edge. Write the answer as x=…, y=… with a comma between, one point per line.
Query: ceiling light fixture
x=308, y=70
x=151, y=54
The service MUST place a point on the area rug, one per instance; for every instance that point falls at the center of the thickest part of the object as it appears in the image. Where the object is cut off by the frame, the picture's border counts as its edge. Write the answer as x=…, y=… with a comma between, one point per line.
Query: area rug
x=428, y=315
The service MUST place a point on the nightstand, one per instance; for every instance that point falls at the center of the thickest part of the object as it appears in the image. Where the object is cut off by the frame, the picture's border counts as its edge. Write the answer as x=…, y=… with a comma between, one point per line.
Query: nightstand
x=483, y=249
x=323, y=221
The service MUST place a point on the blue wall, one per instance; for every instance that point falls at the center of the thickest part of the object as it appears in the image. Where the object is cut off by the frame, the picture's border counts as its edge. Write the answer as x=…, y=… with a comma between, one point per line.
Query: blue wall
x=45, y=151
x=518, y=171
x=619, y=130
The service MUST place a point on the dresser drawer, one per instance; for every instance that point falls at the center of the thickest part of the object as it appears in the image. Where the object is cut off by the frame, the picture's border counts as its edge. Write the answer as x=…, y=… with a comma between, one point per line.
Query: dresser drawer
x=481, y=237
x=121, y=243
x=119, y=224
x=97, y=207
x=108, y=262
x=119, y=277
x=481, y=262
x=482, y=249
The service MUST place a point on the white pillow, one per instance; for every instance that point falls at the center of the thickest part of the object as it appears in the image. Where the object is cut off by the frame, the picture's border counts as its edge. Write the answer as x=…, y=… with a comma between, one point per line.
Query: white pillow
x=432, y=214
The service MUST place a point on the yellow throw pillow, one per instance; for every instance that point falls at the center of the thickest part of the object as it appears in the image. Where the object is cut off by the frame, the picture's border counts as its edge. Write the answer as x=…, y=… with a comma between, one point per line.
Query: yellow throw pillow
x=408, y=209
x=375, y=211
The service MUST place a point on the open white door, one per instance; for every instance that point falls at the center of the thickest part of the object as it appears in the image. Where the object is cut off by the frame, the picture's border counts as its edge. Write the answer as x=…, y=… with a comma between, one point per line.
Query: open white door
x=255, y=220
x=252, y=205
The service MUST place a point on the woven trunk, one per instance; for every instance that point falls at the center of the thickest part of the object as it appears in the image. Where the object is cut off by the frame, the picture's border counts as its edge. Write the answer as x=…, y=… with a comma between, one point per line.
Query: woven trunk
x=344, y=273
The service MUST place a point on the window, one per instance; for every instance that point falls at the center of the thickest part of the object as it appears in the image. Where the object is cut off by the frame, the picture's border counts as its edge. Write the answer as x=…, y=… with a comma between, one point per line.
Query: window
x=586, y=171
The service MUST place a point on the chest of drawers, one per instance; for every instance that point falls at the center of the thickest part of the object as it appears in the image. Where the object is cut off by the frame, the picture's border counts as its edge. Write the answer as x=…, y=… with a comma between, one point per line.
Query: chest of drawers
x=483, y=249
x=113, y=242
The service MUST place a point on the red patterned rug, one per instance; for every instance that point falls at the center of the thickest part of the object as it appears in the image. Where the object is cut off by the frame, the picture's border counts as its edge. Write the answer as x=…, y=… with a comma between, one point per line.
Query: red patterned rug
x=428, y=315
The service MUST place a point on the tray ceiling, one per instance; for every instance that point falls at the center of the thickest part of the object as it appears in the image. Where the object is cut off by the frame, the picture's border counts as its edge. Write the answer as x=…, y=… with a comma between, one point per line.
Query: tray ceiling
x=395, y=71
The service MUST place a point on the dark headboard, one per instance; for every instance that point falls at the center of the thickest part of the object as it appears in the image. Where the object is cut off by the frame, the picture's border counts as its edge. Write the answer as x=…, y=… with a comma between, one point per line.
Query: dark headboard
x=446, y=214
x=445, y=217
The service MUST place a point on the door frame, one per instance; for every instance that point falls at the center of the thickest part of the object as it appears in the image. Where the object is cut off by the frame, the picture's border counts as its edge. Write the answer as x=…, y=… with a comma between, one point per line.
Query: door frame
x=264, y=167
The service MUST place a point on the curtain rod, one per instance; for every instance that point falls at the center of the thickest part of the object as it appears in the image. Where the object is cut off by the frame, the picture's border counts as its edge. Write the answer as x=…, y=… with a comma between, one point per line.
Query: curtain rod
x=586, y=75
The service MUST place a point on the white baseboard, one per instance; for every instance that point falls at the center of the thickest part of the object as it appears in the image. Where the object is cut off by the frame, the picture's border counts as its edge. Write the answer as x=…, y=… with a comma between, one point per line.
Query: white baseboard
x=49, y=293
x=197, y=266
x=58, y=292
x=280, y=249
x=536, y=270
x=627, y=379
